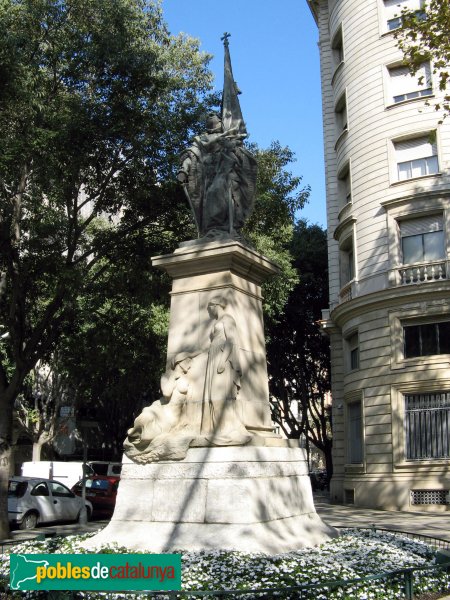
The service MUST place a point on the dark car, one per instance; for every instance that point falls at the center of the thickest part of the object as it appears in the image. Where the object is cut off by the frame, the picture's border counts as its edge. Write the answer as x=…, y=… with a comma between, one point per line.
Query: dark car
x=101, y=491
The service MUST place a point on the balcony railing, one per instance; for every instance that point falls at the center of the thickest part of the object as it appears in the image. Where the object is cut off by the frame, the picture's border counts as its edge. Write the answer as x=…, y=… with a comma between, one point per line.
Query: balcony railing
x=346, y=293
x=423, y=272
x=401, y=275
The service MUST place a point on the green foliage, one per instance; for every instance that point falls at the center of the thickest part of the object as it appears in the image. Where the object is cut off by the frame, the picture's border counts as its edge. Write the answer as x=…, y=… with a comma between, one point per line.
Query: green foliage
x=297, y=352
x=271, y=225
x=118, y=341
x=428, y=38
x=97, y=102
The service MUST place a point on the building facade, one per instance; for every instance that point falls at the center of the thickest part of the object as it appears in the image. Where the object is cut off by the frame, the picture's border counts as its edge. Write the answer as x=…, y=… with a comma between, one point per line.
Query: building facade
x=387, y=160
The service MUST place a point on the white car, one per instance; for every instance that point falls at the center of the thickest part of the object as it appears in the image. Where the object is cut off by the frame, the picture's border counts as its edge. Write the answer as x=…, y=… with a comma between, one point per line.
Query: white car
x=32, y=501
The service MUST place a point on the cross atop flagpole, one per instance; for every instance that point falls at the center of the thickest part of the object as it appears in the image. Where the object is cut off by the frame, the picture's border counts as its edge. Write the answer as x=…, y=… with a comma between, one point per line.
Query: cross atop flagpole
x=225, y=37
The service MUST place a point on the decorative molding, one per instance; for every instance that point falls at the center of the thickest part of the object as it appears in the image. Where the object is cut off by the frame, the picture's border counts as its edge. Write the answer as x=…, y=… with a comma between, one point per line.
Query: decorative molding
x=340, y=230
x=219, y=256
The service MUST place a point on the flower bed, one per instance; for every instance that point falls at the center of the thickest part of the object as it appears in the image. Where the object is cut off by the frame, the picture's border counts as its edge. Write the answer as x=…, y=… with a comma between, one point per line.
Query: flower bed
x=353, y=555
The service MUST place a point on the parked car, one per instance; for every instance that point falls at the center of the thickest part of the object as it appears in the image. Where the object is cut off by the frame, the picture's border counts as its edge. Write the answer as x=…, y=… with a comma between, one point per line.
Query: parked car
x=101, y=490
x=33, y=501
x=105, y=467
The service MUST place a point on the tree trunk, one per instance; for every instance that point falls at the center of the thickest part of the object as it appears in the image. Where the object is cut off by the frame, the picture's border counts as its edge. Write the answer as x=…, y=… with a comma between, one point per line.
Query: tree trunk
x=5, y=464
x=8, y=395
x=328, y=462
x=37, y=448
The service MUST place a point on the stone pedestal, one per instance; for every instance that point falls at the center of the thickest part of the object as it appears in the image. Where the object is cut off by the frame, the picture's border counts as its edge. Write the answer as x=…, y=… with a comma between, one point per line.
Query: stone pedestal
x=251, y=496
x=229, y=269
x=254, y=498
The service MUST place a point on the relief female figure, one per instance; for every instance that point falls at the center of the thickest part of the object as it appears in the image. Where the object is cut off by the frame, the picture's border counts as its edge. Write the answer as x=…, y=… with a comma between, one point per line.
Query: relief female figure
x=221, y=424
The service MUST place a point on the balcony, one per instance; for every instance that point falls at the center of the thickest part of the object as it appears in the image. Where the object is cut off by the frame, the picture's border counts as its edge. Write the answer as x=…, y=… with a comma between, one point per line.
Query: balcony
x=346, y=292
x=419, y=273
x=345, y=212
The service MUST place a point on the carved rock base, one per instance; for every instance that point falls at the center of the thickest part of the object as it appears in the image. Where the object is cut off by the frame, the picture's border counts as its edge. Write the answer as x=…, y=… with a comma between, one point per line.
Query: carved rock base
x=254, y=498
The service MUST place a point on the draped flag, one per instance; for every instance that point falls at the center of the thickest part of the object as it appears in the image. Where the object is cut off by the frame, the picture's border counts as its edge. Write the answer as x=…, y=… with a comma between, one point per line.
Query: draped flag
x=231, y=109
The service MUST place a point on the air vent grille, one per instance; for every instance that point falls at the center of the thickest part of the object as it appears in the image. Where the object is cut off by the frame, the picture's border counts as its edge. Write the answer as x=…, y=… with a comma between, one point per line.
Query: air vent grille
x=430, y=497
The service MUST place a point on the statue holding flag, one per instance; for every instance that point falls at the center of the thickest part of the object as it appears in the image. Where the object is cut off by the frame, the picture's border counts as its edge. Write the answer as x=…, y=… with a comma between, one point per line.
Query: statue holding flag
x=218, y=173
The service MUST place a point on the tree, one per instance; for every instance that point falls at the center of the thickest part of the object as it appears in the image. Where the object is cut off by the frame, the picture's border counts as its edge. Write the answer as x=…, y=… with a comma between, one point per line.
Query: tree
x=118, y=341
x=97, y=101
x=37, y=407
x=425, y=35
x=298, y=354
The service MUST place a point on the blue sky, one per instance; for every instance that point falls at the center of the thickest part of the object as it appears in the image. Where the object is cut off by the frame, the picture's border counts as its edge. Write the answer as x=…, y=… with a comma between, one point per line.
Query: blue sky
x=275, y=61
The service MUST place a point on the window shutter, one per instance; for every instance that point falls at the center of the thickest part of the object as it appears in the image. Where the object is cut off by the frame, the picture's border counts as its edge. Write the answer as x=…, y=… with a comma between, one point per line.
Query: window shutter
x=399, y=80
x=394, y=7
x=414, y=149
x=425, y=72
x=402, y=82
x=353, y=341
x=355, y=432
x=348, y=189
x=422, y=225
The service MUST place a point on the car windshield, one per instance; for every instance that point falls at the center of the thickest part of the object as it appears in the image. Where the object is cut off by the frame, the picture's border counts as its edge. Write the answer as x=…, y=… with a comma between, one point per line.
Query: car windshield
x=16, y=489
x=97, y=484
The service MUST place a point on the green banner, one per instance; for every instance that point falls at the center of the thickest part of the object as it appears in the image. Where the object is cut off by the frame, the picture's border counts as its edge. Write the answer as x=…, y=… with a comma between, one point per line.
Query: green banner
x=102, y=572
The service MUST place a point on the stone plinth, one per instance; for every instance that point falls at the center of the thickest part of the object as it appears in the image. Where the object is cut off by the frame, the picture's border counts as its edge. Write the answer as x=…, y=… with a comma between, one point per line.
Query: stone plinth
x=254, y=498
x=228, y=269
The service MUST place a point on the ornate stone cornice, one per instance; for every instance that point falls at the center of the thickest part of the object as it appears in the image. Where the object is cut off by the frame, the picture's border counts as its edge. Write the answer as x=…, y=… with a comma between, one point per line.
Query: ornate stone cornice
x=217, y=256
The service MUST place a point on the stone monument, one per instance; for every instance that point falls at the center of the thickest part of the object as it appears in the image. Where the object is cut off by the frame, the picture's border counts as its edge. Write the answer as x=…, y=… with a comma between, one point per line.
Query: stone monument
x=202, y=467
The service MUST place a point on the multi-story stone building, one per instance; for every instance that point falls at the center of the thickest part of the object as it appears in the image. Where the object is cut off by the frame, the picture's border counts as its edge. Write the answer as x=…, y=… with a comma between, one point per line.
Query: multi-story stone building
x=387, y=160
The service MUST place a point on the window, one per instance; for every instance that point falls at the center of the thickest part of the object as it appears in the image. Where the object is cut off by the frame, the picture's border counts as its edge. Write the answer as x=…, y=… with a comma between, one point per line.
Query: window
x=341, y=115
x=97, y=484
x=40, y=489
x=426, y=339
x=427, y=425
x=344, y=186
x=337, y=48
x=17, y=489
x=347, y=262
x=422, y=239
x=60, y=491
x=351, y=264
x=404, y=86
x=394, y=8
x=355, y=446
x=416, y=157
x=353, y=351
x=349, y=496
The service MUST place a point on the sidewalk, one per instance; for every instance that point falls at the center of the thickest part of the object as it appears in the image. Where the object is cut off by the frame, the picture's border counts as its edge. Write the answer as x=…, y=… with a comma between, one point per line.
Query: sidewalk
x=433, y=524
x=57, y=529
x=423, y=523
